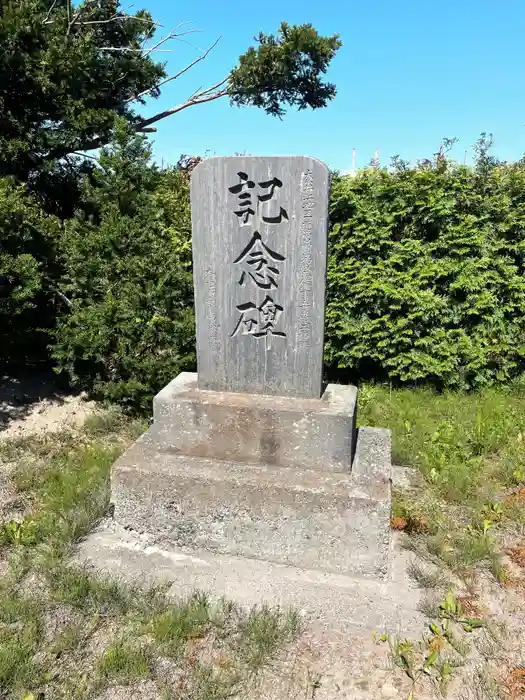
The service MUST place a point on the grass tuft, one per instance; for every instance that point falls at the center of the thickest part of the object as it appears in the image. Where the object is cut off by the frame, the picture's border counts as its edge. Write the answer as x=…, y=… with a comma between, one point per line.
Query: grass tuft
x=173, y=627
x=124, y=662
x=428, y=580
x=263, y=633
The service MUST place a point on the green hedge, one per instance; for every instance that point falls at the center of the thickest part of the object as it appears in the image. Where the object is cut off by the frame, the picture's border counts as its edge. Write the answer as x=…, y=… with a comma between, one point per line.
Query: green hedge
x=128, y=327
x=426, y=275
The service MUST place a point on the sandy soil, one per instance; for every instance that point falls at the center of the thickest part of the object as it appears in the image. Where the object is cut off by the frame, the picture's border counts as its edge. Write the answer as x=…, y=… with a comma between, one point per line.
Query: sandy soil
x=34, y=403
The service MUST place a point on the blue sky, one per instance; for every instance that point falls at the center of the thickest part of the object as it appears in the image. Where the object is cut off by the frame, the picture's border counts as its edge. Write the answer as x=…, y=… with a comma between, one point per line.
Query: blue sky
x=409, y=73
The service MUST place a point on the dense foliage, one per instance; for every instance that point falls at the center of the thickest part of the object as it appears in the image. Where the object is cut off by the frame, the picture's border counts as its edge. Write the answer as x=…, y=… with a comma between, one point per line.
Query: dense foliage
x=66, y=74
x=70, y=72
x=285, y=69
x=426, y=274
x=88, y=249
x=128, y=326
x=28, y=275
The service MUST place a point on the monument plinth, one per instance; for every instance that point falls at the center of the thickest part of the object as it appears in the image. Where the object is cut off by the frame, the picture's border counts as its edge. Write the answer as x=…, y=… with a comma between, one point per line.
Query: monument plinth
x=250, y=457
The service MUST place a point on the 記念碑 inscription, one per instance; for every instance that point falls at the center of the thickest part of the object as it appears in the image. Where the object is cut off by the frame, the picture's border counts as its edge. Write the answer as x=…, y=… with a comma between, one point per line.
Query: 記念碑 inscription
x=259, y=264
x=259, y=249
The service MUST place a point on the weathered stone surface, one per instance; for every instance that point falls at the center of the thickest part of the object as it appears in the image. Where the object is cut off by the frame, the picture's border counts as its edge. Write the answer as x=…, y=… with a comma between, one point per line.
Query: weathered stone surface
x=337, y=601
x=250, y=428
x=372, y=463
x=326, y=521
x=259, y=251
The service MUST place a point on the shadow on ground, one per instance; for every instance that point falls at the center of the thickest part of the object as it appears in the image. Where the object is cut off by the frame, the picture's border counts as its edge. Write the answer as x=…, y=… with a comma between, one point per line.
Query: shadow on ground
x=21, y=392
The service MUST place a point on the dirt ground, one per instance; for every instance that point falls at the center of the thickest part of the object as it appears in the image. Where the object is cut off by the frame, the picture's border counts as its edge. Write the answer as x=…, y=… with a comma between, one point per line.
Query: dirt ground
x=34, y=403
x=323, y=666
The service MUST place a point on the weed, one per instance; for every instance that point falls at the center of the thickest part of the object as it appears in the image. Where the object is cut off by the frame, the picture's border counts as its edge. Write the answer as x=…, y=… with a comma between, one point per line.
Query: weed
x=415, y=660
x=103, y=423
x=205, y=683
x=424, y=578
x=483, y=686
x=125, y=662
x=440, y=651
x=519, y=475
x=19, y=533
x=174, y=627
x=21, y=625
x=71, y=638
x=88, y=592
x=429, y=608
x=407, y=516
x=464, y=447
x=452, y=609
x=463, y=443
x=470, y=451
x=263, y=633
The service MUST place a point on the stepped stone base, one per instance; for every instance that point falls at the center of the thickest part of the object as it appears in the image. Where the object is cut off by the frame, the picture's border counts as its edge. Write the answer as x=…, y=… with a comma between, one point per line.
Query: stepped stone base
x=328, y=521
x=252, y=428
x=256, y=498
x=328, y=601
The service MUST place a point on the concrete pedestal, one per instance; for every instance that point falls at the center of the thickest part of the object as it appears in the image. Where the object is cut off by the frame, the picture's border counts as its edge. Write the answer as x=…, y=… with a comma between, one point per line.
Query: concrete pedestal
x=260, y=477
x=257, y=429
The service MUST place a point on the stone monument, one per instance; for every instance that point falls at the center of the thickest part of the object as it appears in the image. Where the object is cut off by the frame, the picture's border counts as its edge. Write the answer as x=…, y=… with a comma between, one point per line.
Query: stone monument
x=250, y=459
x=259, y=250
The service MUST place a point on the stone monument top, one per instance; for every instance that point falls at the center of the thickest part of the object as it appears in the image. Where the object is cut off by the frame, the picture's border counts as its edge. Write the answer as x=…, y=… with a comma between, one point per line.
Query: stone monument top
x=259, y=258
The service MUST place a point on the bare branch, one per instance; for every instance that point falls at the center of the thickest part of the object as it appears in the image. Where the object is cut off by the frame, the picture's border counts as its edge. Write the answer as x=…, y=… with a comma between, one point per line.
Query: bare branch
x=84, y=155
x=177, y=75
x=213, y=87
x=72, y=21
x=199, y=98
x=101, y=21
x=123, y=49
x=120, y=17
x=155, y=48
x=115, y=18
x=63, y=297
x=144, y=125
x=46, y=20
x=172, y=35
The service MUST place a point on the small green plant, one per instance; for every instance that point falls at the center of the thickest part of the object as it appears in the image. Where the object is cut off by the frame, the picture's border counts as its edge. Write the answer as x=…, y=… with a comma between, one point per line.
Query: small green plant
x=173, y=627
x=438, y=652
x=19, y=533
x=451, y=609
x=414, y=660
x=519, y=475
x=124, y=662
x=263, y=632
x=493, y=511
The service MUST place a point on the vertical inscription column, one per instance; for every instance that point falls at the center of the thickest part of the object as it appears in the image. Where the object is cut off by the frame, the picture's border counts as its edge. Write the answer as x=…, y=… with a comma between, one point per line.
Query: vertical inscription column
x=259, y=251
x=260, y=266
